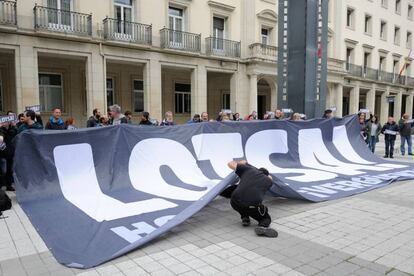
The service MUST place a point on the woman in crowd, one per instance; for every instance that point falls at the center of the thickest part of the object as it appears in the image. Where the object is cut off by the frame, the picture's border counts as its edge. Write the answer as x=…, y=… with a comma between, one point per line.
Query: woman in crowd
x=373, y=130
x=70, y=124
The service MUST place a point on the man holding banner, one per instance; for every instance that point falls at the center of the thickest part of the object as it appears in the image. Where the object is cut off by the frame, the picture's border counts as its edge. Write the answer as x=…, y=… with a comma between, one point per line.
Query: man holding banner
x=405, y=125
x=390, y=130
x=8, y=131
x=247, y=198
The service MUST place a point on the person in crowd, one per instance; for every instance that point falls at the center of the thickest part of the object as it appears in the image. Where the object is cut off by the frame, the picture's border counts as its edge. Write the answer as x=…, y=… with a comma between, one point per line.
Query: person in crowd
x=103, y=121
x=168, y=119
x=128, y=116
x=93, y=121
x=7, y=133
x=196, y=119
x=278, y=114
x=296, y=117
x=251, y=116
x=236, y=117
x=373, y=131
x=204, y=117
x=390, y=130
x=116, y=117
x=38, y=118
x=225, y=117
x=29, y=122
x=70, y=124
x=145, y=119
x=248, y=196
x=55, y=121
x=20, y=119
x=219, y=117
x=327, y=114
x=405, y=125
x=362, y=126
x=266, y=116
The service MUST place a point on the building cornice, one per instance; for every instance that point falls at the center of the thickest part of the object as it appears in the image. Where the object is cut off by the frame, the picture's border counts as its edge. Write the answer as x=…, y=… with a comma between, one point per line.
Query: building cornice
x=350, y=41
x=221, y=6
x=383, y=51
x=268, y=15
x=367, y=46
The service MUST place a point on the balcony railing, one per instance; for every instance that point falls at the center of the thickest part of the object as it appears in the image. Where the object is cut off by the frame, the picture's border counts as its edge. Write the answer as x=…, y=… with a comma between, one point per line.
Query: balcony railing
x=8, y=15
x=263, y=51
x=127, y=31
x=376, y=75
x=222, y=47
x=179, y=40
x=62, y=21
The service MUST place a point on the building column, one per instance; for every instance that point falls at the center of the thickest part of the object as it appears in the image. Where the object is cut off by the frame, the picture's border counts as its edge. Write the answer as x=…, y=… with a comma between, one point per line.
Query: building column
x=398, y=106
x=409, y=104
x=198, y=90
x=354, y=100
x=253, y=93
x=371, y=99
x=27, y=77
x=234, y=90
x=153, y=89
x=96, y=83
x=384, y=105
x=339, y=94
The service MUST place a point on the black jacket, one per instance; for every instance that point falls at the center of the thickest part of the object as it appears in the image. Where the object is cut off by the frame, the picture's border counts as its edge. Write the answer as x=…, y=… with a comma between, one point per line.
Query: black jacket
x=392, y=127
x=92, y=122
x=8, y=134
x=405, y=128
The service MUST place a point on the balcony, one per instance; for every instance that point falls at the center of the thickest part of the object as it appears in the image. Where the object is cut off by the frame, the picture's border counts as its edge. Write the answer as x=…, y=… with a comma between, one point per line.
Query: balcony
x=119, y=30
x=263, y=51
x=62, y=21
x=8, y=15
x=376, y=75
x=222, y=47
x=179, y=40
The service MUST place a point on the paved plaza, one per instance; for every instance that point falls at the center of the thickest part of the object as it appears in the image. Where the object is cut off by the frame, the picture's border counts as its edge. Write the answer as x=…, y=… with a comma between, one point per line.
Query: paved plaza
x=367, y=234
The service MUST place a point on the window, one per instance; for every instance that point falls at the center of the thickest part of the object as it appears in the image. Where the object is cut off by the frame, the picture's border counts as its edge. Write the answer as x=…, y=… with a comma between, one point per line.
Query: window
x=382, y=64
x=397, y=35
x=123, y=15
x=350, y=18
x=226, y=100
x=138, y=93
x=349, y=52
x=110, y=98
x=395, y=66
x=384, y=3
x=367, y=57
x=265, y=36
x=176, y=23
x=409, y=40
x=182, y=98
x=367, y=26
x=398, y=6
x=383, y=30
x=410, y=12
x=50, y=91
x=59, y=14
x=218, y=32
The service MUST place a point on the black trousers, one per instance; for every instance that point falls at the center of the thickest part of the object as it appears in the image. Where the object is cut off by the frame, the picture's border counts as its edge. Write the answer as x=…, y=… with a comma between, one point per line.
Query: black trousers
x=389, y=147
x=258, y=212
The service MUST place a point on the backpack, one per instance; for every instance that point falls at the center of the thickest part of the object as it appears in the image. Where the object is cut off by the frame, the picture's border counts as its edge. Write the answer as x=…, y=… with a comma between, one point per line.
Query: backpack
x=5, y=202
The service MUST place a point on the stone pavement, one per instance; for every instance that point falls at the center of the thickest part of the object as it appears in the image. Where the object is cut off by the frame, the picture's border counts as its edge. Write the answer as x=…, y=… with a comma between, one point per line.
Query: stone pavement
x=367, y=234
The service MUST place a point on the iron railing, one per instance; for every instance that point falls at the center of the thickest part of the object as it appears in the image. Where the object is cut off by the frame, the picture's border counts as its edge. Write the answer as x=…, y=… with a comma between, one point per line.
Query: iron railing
x=179, y=40
x=63, y=21
x=259, y=50
x=378, y=75
x=8, y=14
x=119, y=30
x=222, y=47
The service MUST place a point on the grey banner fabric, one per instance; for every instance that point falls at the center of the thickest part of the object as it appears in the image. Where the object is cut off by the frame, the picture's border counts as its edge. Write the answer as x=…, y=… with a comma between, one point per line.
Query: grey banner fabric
x=95, y=194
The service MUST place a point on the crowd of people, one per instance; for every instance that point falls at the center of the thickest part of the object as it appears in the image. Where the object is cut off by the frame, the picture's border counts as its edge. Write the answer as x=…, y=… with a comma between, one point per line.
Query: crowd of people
x=370, y=128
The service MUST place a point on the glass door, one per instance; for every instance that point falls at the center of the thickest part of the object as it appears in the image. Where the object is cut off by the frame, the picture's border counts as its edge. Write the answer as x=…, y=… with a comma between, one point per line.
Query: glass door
x=123, y=15
x=218, y=33
x=176, y=23
x=59, y=14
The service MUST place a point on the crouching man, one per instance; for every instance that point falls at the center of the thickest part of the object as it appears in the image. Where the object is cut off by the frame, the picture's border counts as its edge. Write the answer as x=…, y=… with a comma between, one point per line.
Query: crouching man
x=247, y=197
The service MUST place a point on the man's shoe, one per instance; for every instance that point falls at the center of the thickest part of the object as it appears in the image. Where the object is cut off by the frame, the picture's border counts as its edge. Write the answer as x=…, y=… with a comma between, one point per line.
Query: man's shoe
x=410, y=154
x=392, y=157
x=266, y=232
x=245, y=221
x=10, y=189
x=385, y=156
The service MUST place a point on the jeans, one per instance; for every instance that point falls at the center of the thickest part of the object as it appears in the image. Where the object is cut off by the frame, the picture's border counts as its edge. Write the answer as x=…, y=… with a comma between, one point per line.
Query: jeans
x=372, y=142
x=409, y=143
x=258, y=212
x=389, y=147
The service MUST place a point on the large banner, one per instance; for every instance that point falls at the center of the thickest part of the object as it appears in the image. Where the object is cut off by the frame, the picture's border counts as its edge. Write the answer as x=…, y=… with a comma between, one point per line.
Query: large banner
x=95, y=194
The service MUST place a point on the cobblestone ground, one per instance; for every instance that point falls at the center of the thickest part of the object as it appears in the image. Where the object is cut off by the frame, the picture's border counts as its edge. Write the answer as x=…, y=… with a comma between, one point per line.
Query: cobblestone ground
x=367, y=234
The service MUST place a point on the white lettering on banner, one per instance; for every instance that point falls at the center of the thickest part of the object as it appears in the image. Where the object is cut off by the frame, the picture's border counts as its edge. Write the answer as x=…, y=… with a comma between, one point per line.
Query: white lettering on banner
x=262, y=144
x=219, y=149
x=314, y=154
x=144, y=169
x=142, y=229
x=82, y=188
x=163, y=220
